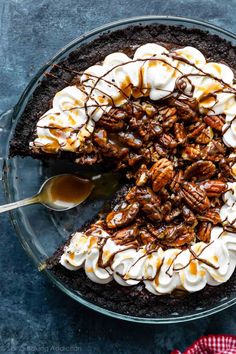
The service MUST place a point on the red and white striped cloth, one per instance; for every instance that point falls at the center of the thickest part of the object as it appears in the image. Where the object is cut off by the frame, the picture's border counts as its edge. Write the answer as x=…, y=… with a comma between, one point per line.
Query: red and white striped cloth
x=212, y=344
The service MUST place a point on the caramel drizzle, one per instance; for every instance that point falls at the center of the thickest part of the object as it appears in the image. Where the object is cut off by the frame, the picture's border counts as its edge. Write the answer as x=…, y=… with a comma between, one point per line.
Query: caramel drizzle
x=196, y=257
x=144, y=278
x=172, y=262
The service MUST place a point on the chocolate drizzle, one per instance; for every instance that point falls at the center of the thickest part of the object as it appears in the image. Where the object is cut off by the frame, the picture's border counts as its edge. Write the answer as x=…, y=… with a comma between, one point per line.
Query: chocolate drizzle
x=196, y=257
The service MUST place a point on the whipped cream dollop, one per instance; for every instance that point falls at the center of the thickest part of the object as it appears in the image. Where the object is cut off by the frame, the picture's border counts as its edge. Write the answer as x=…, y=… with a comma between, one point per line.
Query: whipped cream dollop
x=153, y=71
x=161, y=271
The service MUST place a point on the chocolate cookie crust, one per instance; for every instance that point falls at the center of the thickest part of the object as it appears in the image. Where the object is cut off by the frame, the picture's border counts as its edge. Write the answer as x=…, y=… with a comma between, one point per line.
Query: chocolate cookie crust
x=137, y=301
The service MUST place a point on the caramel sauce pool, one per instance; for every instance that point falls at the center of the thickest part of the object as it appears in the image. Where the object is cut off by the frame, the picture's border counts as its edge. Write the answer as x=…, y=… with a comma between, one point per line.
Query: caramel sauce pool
x=67, y=190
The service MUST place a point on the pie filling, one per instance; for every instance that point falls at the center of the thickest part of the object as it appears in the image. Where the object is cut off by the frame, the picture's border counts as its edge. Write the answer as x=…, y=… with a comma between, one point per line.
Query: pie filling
x=166, y=118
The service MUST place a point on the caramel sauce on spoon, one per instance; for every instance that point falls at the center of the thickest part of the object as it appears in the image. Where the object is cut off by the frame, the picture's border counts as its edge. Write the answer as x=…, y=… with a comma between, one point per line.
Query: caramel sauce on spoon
x=65, y=191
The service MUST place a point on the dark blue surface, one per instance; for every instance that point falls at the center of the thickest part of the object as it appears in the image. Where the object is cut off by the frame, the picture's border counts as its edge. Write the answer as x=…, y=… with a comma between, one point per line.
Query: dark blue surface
x=34, y=316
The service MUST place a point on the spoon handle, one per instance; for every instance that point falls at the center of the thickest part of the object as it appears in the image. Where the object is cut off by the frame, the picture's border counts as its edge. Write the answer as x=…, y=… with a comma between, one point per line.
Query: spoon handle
x=20, y=203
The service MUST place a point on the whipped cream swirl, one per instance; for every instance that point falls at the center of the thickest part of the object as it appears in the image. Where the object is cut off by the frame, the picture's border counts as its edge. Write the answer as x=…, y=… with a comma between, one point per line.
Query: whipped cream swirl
x=153, y=71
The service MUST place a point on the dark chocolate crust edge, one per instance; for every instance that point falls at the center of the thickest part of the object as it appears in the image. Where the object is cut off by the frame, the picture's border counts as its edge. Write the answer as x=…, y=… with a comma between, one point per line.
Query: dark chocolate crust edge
x=137, y=301
x=213, y=47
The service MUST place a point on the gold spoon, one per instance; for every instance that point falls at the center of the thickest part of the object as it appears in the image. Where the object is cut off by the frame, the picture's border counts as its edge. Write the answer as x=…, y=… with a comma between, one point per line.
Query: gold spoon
x=59, y=193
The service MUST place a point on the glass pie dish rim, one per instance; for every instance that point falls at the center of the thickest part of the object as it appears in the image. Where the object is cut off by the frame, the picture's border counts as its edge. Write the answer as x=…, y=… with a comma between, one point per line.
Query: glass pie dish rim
x=20, y=106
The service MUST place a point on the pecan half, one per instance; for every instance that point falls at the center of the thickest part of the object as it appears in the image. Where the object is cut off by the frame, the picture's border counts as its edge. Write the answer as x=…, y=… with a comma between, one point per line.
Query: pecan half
x=213, y=151
x=211, y=215
x=108, y=148
x=168, y=141
x=157, y=231
x=177, y=180
x=142, y=176
x=166, y=207
x=133, y=158
x=186, y=109
x=161, y=173
x=200, y=170
x=154, y=129
x=191, y=152
x=130, y=139
x=196, y=129
x=135, y=111
x=194, y=197
x=149, y=109
x=138, y=122
x=164, y=195
x=180, y=133
x=162, y=152
x=169, y=117
x=186, y=236
x=213, y=188
x=173, y=236
x=126, y=235
x=205, y=137
x=215, y=122
x=123, y=216
x=226, y=171
x=146, y=237
x=153, y=155
x=173, y=214
x=113, y=121
x=149, y=202
x=204, y=231
x=148, y=128
x=189, y=217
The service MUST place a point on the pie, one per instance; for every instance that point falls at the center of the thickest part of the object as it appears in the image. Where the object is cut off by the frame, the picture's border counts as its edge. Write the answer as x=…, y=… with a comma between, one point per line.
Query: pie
x=157, y=104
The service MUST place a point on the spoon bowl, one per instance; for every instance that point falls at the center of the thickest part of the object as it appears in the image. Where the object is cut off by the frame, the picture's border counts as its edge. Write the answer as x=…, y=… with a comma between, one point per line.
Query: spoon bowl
x=64, y=192
x=58, y=193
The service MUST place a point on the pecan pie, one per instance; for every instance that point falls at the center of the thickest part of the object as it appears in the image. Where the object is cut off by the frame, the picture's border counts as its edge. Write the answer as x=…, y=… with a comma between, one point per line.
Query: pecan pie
x=161, y=110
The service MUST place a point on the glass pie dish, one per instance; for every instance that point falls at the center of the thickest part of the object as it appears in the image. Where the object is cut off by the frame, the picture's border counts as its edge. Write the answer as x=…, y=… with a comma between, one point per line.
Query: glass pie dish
x=41, y=236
